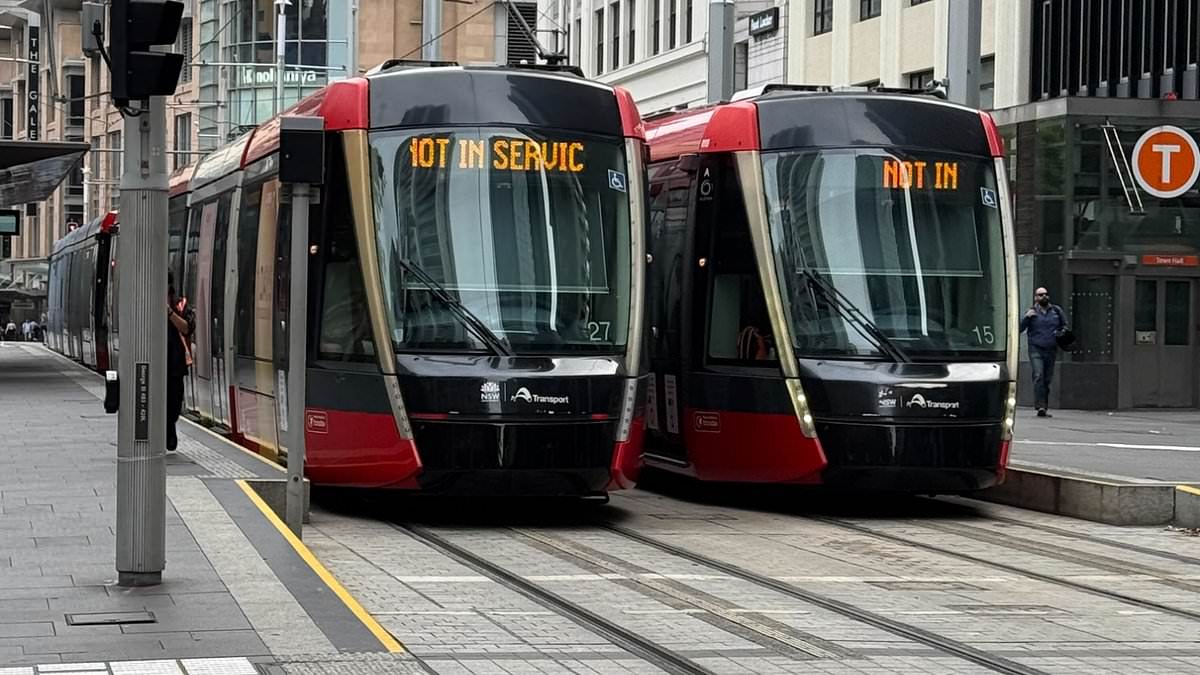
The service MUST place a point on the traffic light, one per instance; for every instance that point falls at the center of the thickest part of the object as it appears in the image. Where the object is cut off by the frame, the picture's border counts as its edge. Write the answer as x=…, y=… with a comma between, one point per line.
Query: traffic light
x=134, y=27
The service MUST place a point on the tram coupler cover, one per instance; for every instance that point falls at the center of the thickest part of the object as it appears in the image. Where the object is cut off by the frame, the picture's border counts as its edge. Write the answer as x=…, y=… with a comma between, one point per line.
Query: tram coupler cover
x=112, y=392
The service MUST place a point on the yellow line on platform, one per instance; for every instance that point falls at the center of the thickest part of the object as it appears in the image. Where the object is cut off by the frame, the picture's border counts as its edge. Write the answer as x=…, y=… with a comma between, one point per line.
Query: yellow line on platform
x=1188, y=489
x=385, y=638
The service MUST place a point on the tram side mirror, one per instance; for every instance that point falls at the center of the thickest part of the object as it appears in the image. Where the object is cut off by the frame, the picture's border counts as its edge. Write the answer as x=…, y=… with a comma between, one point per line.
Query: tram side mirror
x=688, y=163
x=301, y=149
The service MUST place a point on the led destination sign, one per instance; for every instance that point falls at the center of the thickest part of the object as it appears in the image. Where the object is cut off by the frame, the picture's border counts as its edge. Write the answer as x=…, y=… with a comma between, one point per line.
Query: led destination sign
x=501, y=154
x=920, y=174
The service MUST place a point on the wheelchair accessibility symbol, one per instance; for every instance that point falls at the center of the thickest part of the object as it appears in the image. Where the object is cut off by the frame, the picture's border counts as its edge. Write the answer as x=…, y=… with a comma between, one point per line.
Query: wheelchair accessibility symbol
x=616, y=180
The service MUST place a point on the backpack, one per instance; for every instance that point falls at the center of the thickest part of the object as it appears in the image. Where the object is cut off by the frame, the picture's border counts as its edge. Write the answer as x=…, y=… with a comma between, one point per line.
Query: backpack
x=1064, y=336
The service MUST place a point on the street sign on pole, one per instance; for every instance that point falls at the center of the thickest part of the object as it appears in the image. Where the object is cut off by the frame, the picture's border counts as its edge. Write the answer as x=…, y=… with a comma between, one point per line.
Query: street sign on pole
x=301, y=164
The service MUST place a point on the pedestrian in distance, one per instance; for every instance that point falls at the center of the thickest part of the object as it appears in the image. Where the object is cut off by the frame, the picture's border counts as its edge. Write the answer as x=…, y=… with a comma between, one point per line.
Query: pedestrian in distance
x=180, y=324
x=1043, y=323
x=27, y=330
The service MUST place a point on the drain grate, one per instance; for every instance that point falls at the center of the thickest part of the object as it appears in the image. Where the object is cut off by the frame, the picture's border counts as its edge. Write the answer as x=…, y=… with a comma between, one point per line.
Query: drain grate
x=109, y=618
x=926, y=586
x=687, y=516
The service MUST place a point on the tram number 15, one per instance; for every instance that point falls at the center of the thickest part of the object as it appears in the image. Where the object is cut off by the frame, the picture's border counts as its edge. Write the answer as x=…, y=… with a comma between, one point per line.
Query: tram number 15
x=598, y=330
x=984, y=335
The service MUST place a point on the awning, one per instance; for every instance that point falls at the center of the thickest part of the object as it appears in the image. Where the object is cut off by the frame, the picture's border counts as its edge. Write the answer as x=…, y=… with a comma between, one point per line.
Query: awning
x=31, y=170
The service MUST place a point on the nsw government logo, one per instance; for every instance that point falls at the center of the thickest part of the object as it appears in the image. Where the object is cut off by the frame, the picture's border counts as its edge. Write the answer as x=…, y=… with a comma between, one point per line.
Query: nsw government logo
x=489, y=392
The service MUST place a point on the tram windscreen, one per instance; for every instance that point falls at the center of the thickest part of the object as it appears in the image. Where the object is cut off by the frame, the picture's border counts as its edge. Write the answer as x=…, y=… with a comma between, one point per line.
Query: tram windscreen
x=527, y=229
x=912, y=240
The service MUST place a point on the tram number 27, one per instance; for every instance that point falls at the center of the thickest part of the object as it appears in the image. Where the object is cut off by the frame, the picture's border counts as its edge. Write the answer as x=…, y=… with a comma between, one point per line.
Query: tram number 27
x=984, y=335
x=598, y=330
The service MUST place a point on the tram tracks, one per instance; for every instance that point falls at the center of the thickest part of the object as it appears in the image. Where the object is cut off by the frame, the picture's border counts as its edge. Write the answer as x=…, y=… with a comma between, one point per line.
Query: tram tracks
x=668, y=659
x=1037, y=548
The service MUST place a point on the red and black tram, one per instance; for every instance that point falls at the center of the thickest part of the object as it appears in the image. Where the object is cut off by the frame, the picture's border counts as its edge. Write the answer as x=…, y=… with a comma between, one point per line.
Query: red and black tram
x=476, y=283
x=832, y=297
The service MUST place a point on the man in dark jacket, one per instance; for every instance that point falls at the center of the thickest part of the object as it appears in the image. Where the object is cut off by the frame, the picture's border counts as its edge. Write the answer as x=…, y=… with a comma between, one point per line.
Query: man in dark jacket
x=179, y=329
x=1043, y=323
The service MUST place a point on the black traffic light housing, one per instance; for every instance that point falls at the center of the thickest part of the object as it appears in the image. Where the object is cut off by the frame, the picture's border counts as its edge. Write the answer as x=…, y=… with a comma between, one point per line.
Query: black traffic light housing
x=134, y=26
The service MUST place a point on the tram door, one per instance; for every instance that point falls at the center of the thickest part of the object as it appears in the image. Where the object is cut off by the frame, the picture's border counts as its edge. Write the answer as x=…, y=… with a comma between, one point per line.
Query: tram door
x=670, y=195
x=202, y=350
x=217, y=309
x=1162, y=350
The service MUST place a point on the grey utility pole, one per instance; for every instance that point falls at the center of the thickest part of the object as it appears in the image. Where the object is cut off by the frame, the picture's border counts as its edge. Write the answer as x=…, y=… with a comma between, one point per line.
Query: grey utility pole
x=301, y=166
x=141, y=425
x=431, y=28
x=962, y=51
x=720, y=50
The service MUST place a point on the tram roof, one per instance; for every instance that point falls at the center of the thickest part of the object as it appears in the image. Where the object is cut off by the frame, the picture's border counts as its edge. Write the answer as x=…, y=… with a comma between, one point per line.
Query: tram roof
x=444, y=93
x=797, y=118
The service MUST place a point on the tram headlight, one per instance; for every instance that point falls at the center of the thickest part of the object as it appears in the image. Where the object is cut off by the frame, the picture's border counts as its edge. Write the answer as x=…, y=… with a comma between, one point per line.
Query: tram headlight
x=1010, y=412
x=803, y=414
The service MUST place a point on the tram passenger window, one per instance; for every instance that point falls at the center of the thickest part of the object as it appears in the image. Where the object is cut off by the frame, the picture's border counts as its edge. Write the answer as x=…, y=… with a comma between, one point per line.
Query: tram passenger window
x=739, y=327
x=247, y=250
x=345, y=329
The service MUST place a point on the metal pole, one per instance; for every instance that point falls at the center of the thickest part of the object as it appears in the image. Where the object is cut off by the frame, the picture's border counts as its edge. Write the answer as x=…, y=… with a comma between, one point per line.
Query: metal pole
x=352, y=40
x=962, y=51
x=86, y=173
x=280, y=28
x=720, y=50
x=141, y=426
x=297, y=358
x=431, y=26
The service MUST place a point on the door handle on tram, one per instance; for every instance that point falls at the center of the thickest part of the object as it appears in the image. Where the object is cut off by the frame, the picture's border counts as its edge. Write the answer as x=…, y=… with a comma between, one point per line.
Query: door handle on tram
x=654, y=331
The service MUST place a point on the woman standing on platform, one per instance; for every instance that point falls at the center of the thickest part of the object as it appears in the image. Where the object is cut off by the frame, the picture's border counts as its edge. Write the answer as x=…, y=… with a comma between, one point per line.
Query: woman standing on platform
x=180, y=322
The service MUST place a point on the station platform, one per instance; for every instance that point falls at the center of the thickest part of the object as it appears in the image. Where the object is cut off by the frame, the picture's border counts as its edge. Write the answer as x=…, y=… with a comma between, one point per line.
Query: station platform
x=1142, y=445
x=240, y=595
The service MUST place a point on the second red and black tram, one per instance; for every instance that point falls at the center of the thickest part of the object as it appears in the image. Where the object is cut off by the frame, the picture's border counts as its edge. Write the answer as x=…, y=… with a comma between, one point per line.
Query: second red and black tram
x=832, y=293
x=476, y=283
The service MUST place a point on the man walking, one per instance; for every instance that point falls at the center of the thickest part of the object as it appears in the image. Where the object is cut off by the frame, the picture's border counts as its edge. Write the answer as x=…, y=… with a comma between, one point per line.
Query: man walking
x=1043, y=322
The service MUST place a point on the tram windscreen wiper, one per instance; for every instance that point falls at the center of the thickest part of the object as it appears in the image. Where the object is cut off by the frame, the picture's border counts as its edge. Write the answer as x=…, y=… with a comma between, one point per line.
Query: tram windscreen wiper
x=836, y=299
x=465, y=316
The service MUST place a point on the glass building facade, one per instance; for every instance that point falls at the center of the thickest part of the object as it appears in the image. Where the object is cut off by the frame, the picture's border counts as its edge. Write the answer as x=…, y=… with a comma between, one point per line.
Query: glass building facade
x=316, y=35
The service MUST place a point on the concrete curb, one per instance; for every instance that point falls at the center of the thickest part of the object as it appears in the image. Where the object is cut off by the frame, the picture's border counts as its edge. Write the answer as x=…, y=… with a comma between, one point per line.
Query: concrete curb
x=1187, y=506
x=273, y=491
x=1104, y=499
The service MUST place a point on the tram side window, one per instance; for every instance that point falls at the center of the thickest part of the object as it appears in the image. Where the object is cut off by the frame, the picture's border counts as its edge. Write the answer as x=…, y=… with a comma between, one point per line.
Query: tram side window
x=345, y=329
x=247, y=262
x=739, y=328
x=176, y=223
x=668, y=224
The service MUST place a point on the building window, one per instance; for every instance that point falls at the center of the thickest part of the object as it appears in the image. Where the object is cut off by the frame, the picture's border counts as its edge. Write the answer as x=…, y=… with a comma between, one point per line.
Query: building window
x=920, y=79
x=6, y=117
x=76, y=101
x=630, y=18
x=917, y=2
x=183, y=139
x=183, y=45
x=868, y=9
x=741, y=56
x=656, y=28
x=75, y=182
x=598, y=33
x=519, y=46
x=687, y=22
x=822, y=16
x=987, y=83
x=614, y=21
x=113, y=169
x=672, y=23
x=577, y=42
